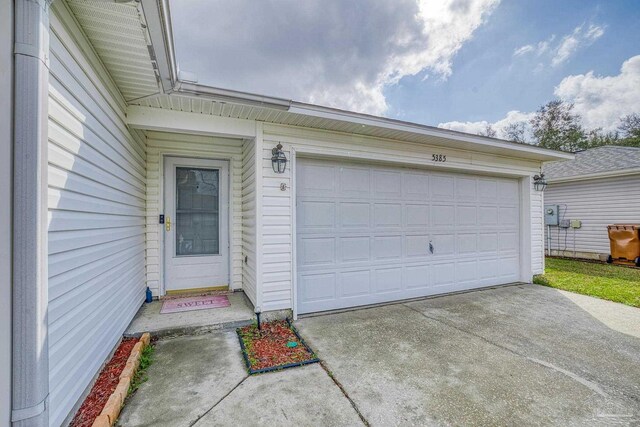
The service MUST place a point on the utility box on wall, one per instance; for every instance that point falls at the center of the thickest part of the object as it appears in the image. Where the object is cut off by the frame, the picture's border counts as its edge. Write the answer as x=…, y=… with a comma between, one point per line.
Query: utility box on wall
x=551, y=215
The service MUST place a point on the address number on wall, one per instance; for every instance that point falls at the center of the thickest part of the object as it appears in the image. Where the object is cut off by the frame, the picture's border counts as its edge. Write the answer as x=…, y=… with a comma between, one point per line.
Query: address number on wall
x=439, y=157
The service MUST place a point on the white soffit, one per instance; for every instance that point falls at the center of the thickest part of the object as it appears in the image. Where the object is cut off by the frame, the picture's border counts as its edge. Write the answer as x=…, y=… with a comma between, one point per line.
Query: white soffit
x=366, y=126
x=117, y=33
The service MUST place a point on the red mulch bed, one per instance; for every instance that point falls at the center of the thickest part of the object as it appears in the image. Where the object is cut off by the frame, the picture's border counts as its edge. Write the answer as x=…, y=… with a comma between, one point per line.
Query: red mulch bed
x=267, y=348
x=105, y=385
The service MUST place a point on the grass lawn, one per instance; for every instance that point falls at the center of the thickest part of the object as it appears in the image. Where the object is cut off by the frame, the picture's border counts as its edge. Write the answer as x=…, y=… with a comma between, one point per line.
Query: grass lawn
x=611, y=282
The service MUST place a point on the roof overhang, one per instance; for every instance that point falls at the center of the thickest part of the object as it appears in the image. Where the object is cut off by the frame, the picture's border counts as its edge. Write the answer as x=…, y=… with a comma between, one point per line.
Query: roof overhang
x=598, y=175
x=288, y=112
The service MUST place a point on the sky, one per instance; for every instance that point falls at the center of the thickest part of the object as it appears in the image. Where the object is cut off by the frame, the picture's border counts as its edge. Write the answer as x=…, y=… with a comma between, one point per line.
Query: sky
x=457, y=64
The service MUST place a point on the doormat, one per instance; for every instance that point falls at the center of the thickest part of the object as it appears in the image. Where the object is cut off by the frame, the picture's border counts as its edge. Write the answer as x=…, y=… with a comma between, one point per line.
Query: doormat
x=204, y=302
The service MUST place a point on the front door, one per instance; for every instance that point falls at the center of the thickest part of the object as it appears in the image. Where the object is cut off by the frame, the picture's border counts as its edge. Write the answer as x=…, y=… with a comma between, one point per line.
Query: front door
x=196, y=229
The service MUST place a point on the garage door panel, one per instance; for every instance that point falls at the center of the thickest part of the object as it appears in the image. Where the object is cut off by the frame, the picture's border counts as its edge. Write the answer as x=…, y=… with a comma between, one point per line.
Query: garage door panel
x=466, y=189
x=318, y=287
x=387, y=185
x=508, y=192
x=466, y=271
x=466, y=243
x=418, y=277
x=388, y=280
x=415, y=186
x=319, y=179
x=355, y=215
x=488, y=242
x=444, y=274
x=354, y=249
x=416, y=215
x=355, y=182
x=466, y=215
x=372, y=246
x=387, y=215
x=487, y=215
x=508, y=215
x=488, y=190
x=443, y=215
x=442, y=187
x=387, y=247
x=508, y=241
x=416, y=246
x=355, y=283
x=318, y=251
x=315, y=215
x=443, y=244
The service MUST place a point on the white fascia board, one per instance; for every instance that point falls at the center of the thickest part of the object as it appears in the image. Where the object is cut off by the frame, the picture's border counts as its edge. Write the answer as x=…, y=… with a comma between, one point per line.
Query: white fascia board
x=158, y=21
x=157, y=119
x=600, y=175
x=543, y=154
x=232, y=96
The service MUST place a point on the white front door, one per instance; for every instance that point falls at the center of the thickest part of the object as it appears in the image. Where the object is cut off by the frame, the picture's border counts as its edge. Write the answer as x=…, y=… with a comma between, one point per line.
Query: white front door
x=196, y=230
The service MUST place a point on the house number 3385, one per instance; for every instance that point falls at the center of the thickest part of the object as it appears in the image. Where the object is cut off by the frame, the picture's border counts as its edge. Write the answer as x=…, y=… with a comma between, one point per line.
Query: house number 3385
x=439, y=157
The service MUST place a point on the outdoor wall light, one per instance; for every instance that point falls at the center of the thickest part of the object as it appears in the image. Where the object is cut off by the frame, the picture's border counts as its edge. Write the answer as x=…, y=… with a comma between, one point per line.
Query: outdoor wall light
x=278, y=160
x=539, y=183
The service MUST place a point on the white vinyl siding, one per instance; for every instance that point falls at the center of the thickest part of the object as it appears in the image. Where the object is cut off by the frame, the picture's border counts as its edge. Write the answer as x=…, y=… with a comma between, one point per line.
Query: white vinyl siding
x=597, y=203
x=277, y=216
x=249, y=204
x=96, y=217
x=537, y=230
x=197, y=146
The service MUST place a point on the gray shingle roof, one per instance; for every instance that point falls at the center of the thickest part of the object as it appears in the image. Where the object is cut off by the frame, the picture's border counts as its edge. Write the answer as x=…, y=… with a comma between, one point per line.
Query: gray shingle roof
x=596, y=160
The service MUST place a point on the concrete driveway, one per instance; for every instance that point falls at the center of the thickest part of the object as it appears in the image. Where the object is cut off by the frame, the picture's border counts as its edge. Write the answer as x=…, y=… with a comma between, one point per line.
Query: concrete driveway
x=518, y=355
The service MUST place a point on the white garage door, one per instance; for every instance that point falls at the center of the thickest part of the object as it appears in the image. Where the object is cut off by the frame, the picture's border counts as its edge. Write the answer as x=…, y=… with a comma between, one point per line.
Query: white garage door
x=371, y=234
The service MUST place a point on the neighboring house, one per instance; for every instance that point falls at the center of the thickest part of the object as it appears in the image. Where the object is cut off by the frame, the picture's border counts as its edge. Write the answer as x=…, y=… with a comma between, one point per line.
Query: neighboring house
x=107, y=139
x=601, y=186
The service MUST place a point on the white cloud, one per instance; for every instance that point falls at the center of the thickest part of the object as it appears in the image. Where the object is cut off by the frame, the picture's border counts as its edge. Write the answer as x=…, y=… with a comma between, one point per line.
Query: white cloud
x=524, y=50
x=480, y=126
x=599, y=100
x=332, y=52
x=572, y=42
x=567, y=46
x=602, y=100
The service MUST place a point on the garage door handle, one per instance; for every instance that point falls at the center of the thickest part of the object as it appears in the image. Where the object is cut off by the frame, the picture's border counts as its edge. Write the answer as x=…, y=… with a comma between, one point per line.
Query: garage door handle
x=431, y=247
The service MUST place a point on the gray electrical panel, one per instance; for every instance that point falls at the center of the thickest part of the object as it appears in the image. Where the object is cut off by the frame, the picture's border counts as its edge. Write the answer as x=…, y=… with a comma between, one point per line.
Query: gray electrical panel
x=551, y=215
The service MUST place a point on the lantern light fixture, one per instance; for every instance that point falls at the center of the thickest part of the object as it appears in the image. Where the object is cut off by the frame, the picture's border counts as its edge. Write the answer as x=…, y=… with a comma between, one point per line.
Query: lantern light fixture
x=539, y=183
x=278, y=159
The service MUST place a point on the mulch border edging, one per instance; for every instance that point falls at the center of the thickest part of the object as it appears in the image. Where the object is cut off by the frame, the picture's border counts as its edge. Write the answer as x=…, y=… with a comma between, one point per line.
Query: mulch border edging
x=112, y=408
x=278, y=367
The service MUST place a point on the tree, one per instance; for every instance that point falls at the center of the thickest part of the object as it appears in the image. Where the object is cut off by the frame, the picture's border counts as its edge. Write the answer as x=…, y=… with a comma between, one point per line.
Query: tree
x=555, y=126
x=515, y=132
x=597, y=138
x=488, y=131
x=629, y=129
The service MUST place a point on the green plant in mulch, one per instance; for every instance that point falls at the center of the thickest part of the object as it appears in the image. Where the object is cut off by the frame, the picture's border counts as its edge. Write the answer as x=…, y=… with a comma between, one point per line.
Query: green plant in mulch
x=146, y=359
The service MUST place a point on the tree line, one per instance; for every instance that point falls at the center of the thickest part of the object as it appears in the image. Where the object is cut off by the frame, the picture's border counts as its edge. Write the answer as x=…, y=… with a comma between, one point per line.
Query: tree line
x=555, y=125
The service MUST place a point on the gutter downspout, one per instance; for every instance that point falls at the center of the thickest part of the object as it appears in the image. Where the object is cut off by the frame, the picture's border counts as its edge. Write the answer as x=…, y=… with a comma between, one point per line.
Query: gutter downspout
x=30, y=382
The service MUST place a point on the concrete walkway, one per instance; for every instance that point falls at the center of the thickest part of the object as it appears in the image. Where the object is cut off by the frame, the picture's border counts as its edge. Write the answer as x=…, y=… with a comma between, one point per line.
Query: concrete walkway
x=520, y=355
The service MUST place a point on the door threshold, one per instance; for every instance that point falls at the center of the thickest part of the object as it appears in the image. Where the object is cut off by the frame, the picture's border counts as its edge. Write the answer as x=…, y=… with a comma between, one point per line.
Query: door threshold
x=196, y=291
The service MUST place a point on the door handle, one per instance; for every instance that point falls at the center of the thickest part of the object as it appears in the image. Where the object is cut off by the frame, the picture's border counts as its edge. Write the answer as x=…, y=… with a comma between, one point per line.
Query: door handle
x=431, y=248
x=167, y=223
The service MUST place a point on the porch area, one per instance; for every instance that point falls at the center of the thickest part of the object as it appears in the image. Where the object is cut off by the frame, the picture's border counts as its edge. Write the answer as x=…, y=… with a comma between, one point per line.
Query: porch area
x=150, y=319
